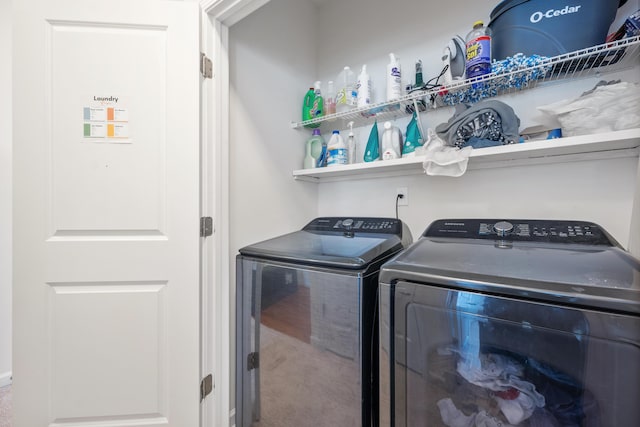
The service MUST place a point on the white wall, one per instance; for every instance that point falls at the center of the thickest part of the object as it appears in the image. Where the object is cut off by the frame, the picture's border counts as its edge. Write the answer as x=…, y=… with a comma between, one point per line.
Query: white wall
x=600, y=191
x=272, y=55
x=5, y=191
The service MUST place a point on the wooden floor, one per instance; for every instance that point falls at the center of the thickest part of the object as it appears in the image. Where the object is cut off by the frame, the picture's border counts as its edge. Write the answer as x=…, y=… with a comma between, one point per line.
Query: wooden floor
x=291, y=315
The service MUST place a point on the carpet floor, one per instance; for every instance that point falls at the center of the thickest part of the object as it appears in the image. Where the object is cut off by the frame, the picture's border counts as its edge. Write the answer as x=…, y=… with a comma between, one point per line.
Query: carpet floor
x=5, y=406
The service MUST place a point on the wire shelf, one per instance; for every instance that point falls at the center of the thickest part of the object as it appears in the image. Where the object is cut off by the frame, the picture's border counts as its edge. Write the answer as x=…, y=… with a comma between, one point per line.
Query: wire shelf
x=605, y=58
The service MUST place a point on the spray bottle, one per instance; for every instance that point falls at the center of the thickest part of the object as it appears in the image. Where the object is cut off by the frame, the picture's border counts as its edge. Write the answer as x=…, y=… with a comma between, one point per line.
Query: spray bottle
x=330, y=100
x=394, y=78
x=351, y=145
x=419, y=81
x=318, y=102
x=363, y=88
x=346, y=98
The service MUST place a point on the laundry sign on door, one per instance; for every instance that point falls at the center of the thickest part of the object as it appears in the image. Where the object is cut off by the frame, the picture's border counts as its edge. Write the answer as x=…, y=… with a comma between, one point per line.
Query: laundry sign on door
x=106, y=119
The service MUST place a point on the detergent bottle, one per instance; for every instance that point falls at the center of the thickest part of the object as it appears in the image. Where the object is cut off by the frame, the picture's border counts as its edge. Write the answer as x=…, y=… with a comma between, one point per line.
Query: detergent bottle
x=478, y=45
x=336, y=150
x=315, y=151
x=391, y=142
x=312, y=106
x=307, y=104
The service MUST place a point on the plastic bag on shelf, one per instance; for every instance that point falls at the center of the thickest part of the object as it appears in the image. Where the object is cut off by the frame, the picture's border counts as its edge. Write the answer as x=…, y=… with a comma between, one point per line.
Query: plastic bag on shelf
x=609, y=106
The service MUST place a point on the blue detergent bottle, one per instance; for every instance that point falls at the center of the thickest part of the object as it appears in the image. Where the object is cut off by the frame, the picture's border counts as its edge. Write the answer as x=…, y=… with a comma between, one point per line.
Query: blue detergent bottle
x=478, y=46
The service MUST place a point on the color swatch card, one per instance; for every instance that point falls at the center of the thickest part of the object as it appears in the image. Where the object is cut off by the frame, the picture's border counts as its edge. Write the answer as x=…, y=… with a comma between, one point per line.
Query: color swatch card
x=105, y=120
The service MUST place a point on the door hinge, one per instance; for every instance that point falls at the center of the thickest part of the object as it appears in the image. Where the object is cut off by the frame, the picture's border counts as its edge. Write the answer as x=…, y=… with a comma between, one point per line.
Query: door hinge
x=206, y=226
x=206, y=386
x=206, y=66
x=253, y=361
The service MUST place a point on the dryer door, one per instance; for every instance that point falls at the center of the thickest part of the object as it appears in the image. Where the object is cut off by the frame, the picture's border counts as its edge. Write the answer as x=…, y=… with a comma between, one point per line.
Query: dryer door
x=503, y=361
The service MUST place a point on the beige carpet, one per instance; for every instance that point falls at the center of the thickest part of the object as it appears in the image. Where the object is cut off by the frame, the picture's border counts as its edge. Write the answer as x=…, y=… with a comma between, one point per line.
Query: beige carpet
x=5, y=406
x=303, y=386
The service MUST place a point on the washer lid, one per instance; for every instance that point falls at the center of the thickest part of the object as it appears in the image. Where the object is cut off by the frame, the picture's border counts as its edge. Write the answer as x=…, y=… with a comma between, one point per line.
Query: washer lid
x=347, y=243
x=598, y=275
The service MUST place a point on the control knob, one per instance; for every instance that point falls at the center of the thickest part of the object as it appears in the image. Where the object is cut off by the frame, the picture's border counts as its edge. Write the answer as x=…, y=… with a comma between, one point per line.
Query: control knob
x=347, y=223
x=503, y=228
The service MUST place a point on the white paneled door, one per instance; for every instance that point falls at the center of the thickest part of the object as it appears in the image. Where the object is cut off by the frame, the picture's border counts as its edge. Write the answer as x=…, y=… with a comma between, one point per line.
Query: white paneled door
x=106, y=213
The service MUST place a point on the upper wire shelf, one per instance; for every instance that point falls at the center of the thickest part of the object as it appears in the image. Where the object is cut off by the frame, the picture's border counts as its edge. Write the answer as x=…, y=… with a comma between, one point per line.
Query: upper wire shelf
x=604, y=58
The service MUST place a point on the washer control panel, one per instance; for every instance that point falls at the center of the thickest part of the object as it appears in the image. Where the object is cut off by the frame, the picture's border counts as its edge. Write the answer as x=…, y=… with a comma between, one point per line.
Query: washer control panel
x=580, y=232
x=355, y=224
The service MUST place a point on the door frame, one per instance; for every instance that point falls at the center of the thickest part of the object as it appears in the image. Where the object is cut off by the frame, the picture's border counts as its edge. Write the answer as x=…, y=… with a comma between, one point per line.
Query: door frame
x=218, y=293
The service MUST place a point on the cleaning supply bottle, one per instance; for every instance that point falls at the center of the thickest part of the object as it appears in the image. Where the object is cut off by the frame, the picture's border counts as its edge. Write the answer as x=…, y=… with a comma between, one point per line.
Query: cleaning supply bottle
x=307, y=104
x=394, y=78
x=419, y=81
x=363, y=88
x=346, y=97
x=322, y=157
x=391, y=142
x=351, y=145
x=478, y=45
x=372, y=151
x=330, y=100
x=315, y=151
x=412, y=139
x=336, y=150
x=318, y=102
x=310, y=107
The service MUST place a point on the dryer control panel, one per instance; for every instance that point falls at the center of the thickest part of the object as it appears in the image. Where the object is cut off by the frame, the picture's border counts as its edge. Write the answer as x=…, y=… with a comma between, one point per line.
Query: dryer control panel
x=355, y=224
x=552, y=231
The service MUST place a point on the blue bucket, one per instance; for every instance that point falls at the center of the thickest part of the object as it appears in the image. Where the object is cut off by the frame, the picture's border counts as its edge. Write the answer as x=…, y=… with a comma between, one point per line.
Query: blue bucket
x=550, y=27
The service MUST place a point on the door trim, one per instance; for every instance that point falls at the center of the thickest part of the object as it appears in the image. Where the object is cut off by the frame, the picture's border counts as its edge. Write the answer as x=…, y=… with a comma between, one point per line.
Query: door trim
x=219, y=333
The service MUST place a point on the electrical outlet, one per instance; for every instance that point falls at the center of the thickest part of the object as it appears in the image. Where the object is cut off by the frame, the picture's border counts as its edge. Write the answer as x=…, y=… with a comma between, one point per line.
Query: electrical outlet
x=404, y=191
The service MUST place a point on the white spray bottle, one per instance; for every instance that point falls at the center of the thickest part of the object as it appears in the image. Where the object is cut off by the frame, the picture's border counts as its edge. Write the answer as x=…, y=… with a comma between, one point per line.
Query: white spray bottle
x=394, y=78
x=364, y=88
x=351, y=145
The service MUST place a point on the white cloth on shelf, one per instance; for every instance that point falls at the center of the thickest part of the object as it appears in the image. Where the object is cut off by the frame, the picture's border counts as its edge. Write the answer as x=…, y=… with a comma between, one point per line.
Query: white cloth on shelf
x=443, y=160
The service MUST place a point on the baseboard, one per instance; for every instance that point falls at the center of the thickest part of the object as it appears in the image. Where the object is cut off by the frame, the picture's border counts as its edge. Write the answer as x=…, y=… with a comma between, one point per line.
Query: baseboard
x=5, y=379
